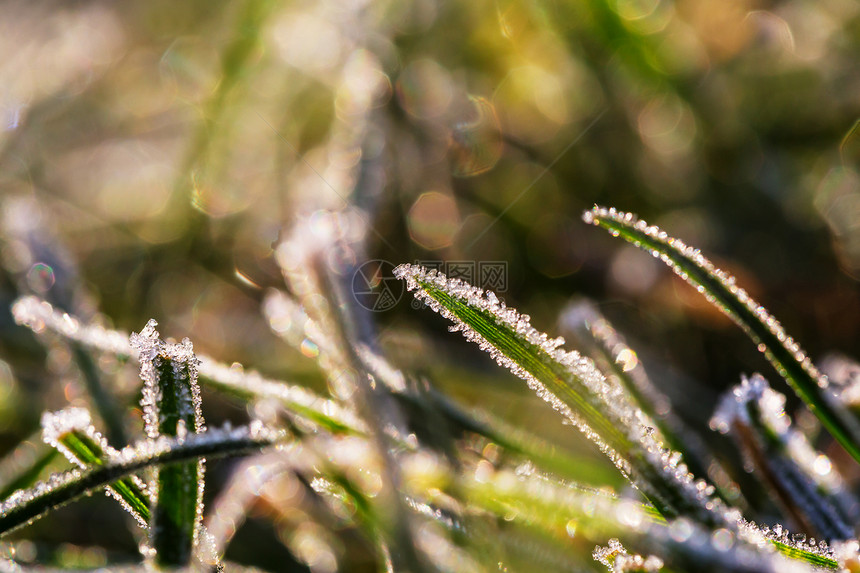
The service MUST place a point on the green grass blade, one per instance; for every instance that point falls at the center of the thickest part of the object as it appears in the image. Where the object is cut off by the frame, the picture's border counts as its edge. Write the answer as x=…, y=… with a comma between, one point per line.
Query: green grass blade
x=25, y=506
x=590, y=331
x=786, y=356
x=574, y=387
x=554, y=509
x=71, y=432
x=171, y=406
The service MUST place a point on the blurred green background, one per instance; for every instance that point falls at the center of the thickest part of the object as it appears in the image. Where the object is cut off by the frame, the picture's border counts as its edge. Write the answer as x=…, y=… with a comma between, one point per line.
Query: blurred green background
x=152, y=154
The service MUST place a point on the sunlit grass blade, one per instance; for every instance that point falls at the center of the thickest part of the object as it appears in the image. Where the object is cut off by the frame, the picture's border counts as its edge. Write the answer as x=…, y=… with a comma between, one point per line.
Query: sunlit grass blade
x=171, y=407
x=789, y=360
x=315, y=263
x=24, y=506
x=575, y=388
x=563, y=511
x=803, y=481
x=39, y=315
x=72, y=433
x=593, y=334
x=287, y=319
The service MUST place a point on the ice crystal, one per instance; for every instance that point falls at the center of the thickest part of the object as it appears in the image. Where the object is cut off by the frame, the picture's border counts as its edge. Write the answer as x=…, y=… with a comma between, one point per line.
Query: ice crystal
x=42, y=489
x=609, y=399
x=56, y=424
x=766, y=537
x=289, y=394
x=617, y=560
x=154, y=355
x=40, y=315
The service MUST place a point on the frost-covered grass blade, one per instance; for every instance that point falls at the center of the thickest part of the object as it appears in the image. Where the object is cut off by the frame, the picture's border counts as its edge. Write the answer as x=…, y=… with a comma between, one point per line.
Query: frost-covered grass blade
x=171, y=407
x=790, y=361
x=574, y=387
x=593, y=334
x=39, y=315
x=24, y=506
x=72, y=433
x=804, y=482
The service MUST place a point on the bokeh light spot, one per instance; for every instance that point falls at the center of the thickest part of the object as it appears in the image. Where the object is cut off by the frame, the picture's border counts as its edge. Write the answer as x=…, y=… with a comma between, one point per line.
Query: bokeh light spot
x=41, y=277
x=309, y=348
x=634, y=271
x=433, y=220
x=425, y=89
x=476, y=145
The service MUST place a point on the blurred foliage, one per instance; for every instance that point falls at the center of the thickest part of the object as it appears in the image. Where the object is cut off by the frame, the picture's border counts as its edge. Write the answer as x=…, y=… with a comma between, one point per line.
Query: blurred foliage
x=152, y=153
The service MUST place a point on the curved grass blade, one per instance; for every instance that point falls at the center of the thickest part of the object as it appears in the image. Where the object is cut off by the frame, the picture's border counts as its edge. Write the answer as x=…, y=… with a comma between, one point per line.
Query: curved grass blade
x=71, y=432
x=171, y=407
x=592, y=333
x=803, y=481
x=25, y=506
x=575, y=388
x=786, y=356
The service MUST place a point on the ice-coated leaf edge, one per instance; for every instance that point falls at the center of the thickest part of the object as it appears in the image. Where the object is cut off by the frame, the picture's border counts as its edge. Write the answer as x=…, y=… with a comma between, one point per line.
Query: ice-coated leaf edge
x=71, y=432
x=25, y=506
x=172, y=407
x=785, y=461
x=552, y=372
x=595, y=336
x=719, y=288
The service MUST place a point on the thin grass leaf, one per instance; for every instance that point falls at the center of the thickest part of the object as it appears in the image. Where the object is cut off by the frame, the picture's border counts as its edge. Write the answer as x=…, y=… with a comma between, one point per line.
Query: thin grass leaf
x=803, y=481
x=315, y=262
x=25, y=506
x=575, y=388
x=39, y=315
x=550, y=508
x=719, y=287
x=591, y=332
x=71, y=432
x=171, y=407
